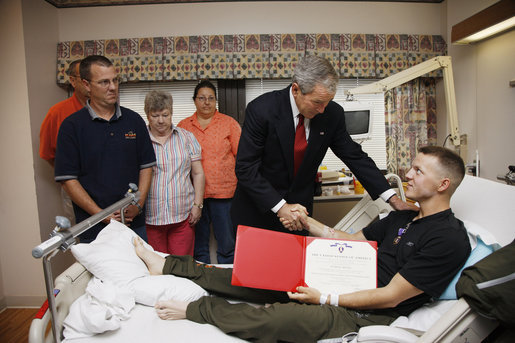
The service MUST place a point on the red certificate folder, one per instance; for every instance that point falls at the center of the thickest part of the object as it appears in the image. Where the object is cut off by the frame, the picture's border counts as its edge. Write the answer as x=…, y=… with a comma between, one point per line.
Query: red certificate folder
x=275, y=260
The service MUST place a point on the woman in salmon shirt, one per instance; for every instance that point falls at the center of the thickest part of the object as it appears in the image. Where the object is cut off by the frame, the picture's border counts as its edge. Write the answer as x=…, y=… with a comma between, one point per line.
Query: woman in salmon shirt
x=218, y=135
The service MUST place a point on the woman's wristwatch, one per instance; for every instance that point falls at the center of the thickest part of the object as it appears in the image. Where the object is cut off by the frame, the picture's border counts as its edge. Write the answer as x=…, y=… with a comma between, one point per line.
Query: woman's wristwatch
x=199, y=205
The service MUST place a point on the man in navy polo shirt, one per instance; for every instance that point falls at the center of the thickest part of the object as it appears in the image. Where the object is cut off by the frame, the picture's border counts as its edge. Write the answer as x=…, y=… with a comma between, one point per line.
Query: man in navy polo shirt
x=101, y=149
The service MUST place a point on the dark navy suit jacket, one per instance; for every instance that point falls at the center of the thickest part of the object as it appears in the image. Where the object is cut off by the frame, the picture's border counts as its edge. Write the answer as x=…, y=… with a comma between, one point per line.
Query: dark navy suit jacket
x=264, y=163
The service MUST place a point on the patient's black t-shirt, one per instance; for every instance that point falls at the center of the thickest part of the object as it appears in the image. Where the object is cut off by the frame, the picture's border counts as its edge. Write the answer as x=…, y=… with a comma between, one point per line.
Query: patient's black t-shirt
x=428, y=254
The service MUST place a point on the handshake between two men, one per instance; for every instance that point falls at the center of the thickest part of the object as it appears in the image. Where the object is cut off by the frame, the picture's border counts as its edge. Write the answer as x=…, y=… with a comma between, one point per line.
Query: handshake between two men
x=295, y=217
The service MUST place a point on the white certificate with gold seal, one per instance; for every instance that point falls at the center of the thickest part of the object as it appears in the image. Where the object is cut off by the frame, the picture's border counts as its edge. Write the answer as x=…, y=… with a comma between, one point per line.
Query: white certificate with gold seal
x=340, y=266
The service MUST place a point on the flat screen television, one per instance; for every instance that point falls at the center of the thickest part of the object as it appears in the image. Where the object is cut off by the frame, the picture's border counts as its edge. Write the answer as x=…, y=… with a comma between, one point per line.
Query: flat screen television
x=358, y=119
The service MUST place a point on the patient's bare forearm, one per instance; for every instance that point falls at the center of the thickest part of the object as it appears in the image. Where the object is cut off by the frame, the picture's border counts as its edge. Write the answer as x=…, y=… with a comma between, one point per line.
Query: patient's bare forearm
x=368, y=299
x=318, y=229
x=389, y=296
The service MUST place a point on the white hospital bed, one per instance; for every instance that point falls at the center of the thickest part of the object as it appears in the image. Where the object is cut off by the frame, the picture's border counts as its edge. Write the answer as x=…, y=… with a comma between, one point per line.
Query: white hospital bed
x=472, y=202
x=143, y=326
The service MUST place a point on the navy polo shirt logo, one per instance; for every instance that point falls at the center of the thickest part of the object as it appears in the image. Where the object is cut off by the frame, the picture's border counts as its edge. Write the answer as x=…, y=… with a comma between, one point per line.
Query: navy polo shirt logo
x=130, y=135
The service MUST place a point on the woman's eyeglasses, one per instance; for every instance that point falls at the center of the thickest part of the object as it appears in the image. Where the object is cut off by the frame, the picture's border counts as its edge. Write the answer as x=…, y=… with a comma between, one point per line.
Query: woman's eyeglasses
x=204, y=99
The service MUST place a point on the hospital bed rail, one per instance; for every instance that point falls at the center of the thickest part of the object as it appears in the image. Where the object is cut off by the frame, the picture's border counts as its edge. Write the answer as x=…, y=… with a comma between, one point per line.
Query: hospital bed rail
x=63, y=237
x=368, y=210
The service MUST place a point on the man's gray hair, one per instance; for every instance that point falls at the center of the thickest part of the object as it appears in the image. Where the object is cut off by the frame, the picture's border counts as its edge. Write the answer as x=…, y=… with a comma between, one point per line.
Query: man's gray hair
x=312, y=70
x=157, y=101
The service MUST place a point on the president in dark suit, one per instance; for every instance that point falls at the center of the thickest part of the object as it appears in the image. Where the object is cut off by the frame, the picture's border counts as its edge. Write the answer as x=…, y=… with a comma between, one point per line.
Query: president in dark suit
x=275, y=178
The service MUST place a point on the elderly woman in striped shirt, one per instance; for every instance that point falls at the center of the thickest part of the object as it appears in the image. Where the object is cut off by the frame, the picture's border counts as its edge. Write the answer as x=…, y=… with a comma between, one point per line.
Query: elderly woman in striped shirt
x=174, y=203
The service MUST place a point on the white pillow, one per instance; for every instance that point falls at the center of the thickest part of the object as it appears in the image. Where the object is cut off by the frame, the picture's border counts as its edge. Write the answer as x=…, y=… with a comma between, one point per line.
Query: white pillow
x=111, y=258
x=476, y=231
x=482, y=244
x=477, y=254
x=151, y=289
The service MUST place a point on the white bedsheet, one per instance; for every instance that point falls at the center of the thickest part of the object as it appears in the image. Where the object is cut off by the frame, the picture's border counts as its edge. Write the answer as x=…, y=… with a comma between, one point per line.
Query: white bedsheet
x=101, y=308
x=111, y=312
x=423, y=318
x=145, y=326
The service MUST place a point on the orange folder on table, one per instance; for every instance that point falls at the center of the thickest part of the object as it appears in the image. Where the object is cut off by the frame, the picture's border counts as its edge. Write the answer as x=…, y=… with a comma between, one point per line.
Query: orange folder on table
x=275, y=260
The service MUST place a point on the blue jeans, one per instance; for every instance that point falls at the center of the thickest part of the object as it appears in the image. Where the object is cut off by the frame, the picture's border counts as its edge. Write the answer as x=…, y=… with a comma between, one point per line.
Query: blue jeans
x=218, y=213
x=141, y=231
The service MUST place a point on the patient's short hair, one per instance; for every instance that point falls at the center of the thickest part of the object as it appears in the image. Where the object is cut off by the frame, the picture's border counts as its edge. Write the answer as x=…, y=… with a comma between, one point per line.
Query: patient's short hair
x=157, y=101
x=450, y=164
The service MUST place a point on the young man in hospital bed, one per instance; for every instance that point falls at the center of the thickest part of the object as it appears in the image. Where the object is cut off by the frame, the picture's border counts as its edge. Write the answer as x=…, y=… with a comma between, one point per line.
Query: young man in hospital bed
x=419, y=254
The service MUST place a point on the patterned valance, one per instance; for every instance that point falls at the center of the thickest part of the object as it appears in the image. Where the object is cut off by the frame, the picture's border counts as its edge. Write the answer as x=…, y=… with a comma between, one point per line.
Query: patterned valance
x=242, y=56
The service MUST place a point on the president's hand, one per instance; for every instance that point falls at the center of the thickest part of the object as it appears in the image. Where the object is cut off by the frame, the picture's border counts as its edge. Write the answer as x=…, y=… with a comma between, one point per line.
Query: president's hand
x=303, y=219
x=400, y=205
x=290, y=215
x=308, y=295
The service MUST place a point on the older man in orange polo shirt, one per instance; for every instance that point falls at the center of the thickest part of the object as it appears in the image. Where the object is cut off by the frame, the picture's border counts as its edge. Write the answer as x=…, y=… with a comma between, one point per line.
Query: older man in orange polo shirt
x=58, y=112
x=52, y=122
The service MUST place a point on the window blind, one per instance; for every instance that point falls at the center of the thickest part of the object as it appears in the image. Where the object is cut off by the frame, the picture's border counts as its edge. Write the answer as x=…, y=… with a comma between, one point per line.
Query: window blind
x=132, y=95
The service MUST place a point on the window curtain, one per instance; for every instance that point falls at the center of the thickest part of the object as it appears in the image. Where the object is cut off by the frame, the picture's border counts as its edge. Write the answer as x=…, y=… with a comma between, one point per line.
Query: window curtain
x=243, y=56
x=410, y=122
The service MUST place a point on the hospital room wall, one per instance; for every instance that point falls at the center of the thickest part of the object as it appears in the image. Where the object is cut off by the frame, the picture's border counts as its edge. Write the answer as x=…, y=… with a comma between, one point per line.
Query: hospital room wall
x=485, y=101
x=30, y=199
x=248, y=17
x=496, y=105
x=41, y=30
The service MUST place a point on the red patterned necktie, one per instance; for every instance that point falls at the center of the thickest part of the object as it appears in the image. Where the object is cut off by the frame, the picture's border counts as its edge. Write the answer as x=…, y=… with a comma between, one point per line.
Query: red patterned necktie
x=300, y=145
